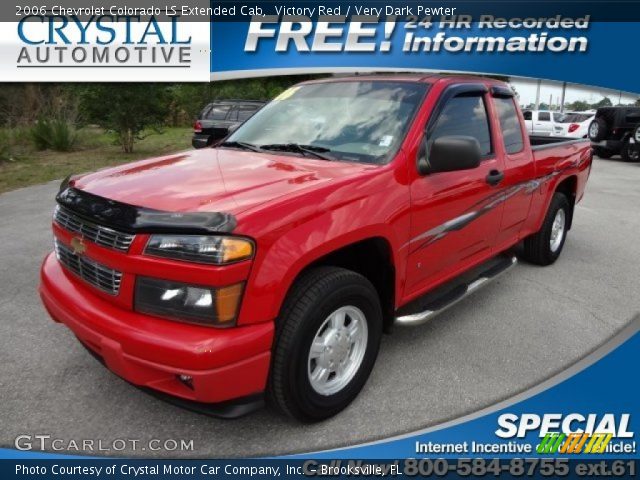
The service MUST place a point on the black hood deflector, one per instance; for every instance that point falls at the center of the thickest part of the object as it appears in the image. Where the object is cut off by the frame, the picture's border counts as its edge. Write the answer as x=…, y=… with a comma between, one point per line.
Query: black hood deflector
x=133, y=219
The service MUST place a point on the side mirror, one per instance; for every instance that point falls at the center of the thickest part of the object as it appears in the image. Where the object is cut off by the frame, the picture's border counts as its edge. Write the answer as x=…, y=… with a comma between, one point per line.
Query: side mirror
x=449, y=154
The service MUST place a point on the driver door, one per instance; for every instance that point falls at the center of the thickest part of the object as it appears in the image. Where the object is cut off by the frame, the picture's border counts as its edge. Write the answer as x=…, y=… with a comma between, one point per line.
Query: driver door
x=455, y=215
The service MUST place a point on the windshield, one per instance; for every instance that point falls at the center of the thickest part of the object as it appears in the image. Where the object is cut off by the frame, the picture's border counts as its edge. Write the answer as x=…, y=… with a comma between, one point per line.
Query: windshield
x=362, y=121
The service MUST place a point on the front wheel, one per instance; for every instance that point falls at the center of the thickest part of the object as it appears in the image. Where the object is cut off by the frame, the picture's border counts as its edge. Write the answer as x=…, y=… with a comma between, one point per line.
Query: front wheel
x=545, y=246
x=327, y=341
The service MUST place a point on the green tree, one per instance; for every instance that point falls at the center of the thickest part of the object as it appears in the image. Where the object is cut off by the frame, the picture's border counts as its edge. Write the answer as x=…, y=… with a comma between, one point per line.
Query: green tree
x=126, y=109
x=605, y=102
x=187, y=100
x=578, y=106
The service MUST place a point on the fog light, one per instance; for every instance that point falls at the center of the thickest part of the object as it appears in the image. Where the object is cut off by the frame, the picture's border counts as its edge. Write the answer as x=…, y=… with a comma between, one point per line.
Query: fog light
x=179, y=301
x=187, y=380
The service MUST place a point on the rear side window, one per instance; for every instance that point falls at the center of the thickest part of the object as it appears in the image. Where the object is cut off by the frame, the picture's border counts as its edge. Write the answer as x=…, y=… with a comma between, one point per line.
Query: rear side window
x=245, y=112
x=544, y=116
x=528, y=115
x=509, y=124
x=218, y=112
x=233, y=116
x=465, y=115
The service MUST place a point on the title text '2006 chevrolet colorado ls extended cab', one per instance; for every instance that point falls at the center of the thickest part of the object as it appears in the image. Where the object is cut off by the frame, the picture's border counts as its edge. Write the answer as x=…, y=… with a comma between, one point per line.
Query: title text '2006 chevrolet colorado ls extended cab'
x=274, y=262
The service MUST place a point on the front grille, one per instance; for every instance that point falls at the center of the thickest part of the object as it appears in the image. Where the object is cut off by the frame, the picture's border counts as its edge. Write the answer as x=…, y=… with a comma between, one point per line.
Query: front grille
x=101, y=277
x=103, y=236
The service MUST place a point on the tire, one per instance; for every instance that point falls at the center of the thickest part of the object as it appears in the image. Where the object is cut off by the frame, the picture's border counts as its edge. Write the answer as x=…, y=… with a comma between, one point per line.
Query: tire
x=540, y=248
x=598, y=130
x=314, y=297
x=603, y=152
x=630, y=152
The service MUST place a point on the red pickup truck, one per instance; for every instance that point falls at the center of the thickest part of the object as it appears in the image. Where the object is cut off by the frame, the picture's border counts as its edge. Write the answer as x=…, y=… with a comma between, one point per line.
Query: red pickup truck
x=270, y=265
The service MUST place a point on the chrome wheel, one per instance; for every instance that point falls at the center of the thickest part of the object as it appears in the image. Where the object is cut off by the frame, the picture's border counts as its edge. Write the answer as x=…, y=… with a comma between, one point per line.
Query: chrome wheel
x=557, y=230
x=337, y=350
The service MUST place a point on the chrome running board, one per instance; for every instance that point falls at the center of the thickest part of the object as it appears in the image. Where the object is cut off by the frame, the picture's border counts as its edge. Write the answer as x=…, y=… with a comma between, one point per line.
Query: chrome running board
x=432, y=304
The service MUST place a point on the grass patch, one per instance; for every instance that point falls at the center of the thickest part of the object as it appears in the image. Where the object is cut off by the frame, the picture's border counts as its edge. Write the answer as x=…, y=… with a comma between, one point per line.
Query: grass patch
x=94, y=149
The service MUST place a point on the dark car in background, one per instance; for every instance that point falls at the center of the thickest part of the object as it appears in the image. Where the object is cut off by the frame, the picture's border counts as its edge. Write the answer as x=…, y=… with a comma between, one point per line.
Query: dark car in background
x=220, y=118
x=612, y=132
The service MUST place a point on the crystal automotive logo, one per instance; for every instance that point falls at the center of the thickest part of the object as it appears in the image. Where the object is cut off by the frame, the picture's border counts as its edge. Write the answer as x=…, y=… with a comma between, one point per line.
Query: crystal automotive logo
x=102, y=41
x=573, y=433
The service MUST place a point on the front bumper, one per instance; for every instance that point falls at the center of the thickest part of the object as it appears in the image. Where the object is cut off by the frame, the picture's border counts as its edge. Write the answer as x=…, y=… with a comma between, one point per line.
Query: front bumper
x=149, y=352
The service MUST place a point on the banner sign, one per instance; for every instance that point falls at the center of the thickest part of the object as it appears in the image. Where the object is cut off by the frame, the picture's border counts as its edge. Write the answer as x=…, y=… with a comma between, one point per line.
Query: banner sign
x=223, y=40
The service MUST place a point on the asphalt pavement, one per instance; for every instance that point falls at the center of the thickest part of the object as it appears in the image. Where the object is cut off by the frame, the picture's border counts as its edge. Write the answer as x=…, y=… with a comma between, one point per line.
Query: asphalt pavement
x=511, y=335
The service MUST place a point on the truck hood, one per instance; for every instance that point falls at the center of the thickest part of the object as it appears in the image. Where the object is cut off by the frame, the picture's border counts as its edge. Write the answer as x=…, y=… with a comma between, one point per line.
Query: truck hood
x=212, y=180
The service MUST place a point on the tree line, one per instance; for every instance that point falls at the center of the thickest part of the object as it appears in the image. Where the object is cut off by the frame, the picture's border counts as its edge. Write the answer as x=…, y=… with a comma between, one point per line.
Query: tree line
x=582, y=105
x=52, y=113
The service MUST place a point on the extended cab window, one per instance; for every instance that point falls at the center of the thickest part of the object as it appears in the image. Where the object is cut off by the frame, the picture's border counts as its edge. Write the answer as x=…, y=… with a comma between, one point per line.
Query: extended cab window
x=528, y=115
x=464, y=115
x=509, y=124
x=544, y=117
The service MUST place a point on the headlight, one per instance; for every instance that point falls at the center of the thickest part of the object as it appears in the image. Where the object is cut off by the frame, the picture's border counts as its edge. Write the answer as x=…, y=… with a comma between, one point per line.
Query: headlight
x=217, y=250
x=179, y=301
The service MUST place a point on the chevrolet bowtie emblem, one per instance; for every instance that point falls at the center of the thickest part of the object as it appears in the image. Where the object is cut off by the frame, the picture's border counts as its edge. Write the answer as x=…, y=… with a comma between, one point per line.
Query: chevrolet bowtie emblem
x=78, y=246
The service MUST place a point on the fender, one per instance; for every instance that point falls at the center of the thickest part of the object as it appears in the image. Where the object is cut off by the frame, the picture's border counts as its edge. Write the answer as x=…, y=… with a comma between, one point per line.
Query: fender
x=271, y=281
x=281, y=258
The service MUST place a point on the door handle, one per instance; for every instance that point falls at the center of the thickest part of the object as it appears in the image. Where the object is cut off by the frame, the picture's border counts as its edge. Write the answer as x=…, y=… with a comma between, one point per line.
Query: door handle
x=494, y=177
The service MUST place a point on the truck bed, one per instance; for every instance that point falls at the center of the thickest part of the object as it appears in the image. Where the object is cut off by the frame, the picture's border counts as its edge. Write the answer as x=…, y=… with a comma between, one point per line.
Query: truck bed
x=557, y=157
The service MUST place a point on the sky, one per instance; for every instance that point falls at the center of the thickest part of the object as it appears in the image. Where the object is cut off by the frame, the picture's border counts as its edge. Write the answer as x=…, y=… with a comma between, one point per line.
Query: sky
x=526, y=88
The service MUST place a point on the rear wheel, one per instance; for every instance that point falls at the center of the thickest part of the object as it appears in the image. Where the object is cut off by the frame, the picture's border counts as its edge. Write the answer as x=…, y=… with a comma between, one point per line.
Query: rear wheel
x=630, y=151
x=545, y=246
x=327, y=342
x=603, y=152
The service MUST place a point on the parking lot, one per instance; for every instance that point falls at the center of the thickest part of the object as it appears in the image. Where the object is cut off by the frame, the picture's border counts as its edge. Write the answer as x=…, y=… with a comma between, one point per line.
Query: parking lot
x=511, y=335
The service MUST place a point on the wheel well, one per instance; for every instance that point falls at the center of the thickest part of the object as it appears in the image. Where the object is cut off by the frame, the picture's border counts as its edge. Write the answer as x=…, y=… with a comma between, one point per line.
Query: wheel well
x=569, y=187
x=372, y=259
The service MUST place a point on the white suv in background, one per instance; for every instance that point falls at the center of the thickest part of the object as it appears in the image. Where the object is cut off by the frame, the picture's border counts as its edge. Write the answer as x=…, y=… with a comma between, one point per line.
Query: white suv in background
x=543, y=122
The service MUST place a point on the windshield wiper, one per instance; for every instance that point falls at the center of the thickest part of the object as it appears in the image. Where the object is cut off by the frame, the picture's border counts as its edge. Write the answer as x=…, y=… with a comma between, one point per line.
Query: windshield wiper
x=243, y=145
x=314, y=150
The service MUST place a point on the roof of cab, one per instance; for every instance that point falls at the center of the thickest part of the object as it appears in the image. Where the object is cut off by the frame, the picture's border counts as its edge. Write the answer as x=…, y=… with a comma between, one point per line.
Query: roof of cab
x=406, y=77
